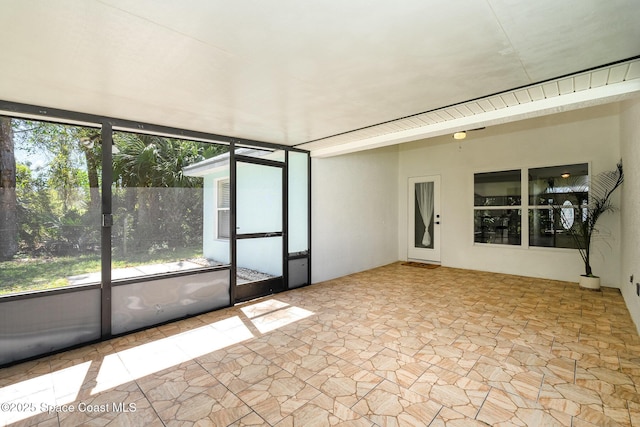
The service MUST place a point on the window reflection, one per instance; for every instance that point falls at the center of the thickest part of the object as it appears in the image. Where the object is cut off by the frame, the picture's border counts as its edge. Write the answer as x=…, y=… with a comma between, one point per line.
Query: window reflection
x=498, y=226
x=497, y=213
x=557, y=197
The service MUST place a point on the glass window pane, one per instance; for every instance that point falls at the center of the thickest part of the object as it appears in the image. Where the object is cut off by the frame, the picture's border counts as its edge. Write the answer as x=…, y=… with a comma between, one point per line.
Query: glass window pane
x=50, y=211
x=557, y=184
x=565, y=192
x=224, y=194
x=497, y=188
x=548, y=227
x=224, y=218
x=424, y=218
x=498, y=226
x=159, y=204
x=298, y=203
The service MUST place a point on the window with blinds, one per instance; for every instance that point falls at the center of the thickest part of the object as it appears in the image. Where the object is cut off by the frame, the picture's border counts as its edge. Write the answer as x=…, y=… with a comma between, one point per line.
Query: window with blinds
x=223, y=212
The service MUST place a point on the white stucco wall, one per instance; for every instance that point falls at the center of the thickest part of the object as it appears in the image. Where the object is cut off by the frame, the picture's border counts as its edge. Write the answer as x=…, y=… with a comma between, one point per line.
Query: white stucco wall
x=589, y=135
x=259, y=210
x=354, y=212
x=213, y=248
x=630, y=142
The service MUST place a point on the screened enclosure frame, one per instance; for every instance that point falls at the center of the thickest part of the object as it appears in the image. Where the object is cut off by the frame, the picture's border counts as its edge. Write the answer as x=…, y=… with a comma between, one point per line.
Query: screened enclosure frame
x=108, y=284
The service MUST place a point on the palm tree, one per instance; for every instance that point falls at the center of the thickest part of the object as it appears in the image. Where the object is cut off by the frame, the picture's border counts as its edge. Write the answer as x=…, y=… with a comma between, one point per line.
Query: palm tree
x=148, y=172
x=600, y=191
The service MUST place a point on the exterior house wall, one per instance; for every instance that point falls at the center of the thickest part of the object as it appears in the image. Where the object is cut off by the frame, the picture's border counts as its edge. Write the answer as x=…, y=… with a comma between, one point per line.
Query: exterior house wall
x=213, y=248
x=259, y=202
x=354, y=212
x=590, y=135
x=630, y=139
x=255, y=191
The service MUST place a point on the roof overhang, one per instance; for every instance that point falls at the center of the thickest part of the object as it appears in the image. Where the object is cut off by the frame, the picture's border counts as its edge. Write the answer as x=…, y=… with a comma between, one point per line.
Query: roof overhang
x=600, y=86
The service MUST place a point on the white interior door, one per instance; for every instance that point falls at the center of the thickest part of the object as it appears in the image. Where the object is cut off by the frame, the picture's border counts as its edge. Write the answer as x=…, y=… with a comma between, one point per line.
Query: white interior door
x=424, y=218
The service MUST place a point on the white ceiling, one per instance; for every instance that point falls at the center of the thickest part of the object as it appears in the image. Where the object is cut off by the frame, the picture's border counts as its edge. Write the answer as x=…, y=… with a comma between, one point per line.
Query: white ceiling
x=295, y=72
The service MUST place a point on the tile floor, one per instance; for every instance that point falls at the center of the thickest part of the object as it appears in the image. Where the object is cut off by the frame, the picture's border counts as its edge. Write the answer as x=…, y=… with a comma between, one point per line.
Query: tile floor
x=392, y=346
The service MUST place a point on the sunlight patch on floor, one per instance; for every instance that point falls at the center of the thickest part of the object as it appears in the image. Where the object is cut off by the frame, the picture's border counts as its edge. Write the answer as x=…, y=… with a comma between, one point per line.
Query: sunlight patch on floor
x=158, y=355
x=280, y=318
x=40, y=394
x=62, y=387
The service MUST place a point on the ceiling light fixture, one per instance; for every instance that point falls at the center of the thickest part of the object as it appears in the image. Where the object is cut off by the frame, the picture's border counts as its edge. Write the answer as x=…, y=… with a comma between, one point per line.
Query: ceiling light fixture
x=566, y=175
x=460, y=135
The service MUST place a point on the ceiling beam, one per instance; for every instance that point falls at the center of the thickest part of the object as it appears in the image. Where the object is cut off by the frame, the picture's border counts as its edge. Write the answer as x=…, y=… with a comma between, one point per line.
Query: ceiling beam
x=612, y=92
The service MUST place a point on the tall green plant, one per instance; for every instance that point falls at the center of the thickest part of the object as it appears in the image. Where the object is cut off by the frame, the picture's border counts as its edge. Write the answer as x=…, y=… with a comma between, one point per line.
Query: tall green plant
x=600, y=190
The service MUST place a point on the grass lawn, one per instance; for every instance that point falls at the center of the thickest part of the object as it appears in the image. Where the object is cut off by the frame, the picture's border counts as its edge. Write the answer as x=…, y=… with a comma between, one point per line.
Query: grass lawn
x=33, y=274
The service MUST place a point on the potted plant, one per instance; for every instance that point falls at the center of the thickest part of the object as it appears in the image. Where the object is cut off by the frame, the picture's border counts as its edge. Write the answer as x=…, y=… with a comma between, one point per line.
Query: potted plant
x=582, y=230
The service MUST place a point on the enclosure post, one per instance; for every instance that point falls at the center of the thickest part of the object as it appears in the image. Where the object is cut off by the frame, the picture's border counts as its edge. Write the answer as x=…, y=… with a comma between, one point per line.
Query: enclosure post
x=107, y=222
x=233, y=174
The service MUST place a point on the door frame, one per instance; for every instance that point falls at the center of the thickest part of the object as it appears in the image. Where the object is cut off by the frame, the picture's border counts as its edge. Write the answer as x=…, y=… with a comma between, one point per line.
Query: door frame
x=239, y=293
x=414, y=252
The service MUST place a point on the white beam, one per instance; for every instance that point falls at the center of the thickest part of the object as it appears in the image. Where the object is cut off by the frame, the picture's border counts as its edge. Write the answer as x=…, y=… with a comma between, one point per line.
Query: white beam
x=558, y=104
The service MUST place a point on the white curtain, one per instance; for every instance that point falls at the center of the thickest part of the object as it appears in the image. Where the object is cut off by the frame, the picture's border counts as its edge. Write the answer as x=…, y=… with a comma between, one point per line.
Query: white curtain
x=425, y=197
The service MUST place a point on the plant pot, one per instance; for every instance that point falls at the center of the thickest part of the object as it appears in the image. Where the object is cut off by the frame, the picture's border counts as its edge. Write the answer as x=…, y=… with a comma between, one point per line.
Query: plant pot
x=590, y=282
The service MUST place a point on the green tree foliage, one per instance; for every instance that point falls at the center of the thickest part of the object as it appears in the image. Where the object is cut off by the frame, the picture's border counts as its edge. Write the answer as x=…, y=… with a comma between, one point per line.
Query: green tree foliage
x=153, y=161
x=58, y=194
x=57, y=199
x=51, y=207
x=34, y=209
x=8, y=201
x=157, y=206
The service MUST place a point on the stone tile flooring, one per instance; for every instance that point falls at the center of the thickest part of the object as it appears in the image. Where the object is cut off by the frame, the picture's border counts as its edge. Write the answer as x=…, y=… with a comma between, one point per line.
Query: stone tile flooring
x=393, y=346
